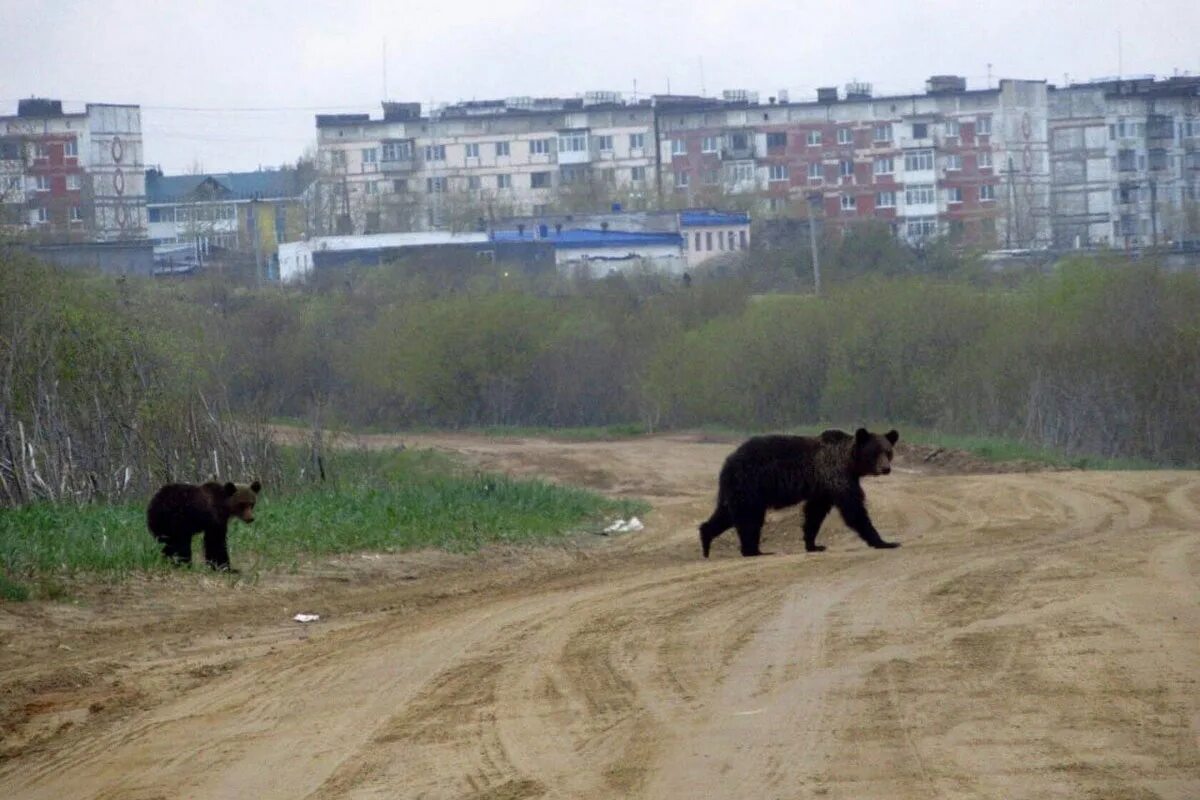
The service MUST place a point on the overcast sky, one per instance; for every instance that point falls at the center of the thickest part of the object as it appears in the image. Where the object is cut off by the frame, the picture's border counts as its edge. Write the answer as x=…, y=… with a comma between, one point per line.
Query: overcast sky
x=289, y=60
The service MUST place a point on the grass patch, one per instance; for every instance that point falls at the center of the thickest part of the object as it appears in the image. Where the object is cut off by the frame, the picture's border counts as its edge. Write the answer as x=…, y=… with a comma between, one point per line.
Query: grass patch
x=373, y=501
x=12, y=591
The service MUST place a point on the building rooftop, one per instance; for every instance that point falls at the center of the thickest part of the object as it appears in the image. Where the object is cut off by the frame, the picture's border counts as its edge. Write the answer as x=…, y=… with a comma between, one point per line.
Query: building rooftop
x=579, y=237
x=261, y=184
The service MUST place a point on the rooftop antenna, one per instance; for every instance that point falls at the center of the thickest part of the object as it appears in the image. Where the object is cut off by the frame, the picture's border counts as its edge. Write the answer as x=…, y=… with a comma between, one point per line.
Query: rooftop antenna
x=1119, y=64
x=989, y=77
x=385, y=87
x=703, y=91
x=635, y=91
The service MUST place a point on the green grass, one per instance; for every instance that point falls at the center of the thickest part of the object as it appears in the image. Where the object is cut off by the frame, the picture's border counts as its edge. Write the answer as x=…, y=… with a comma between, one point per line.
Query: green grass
x=373, y=501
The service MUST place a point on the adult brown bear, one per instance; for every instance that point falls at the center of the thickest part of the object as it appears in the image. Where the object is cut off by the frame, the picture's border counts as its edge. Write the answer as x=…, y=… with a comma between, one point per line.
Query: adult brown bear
x=779, y=471
x=178, y=511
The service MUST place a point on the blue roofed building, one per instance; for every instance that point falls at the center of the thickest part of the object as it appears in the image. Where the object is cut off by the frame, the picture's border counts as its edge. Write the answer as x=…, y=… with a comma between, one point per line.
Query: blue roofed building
x=237, y=211
x=673, y=241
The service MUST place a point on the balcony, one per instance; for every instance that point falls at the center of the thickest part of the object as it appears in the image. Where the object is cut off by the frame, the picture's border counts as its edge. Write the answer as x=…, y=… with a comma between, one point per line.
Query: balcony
x=397, y=165
x=737, y=147
x=1160, y=126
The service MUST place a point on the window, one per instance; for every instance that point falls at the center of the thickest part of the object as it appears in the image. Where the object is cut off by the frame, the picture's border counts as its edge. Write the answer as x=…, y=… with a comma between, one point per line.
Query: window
x=739, y=173
x=400, y=185
x=574, y=142
x=370, y=155
x=777, y=172
x=637, y=174
x=985, y=159
x=697, y=247
x=987, y=192
x=540, y=209
x=473, y=150
x=922, y=227
x=637, y=141
x=502, y=149
x=920, y=130
x=474, y=182
x=885, y=200
x=571, y=175
x=435, y=185
x=76, y=212
x=845, y=136
x=397, y=151
x=539, y=180
x=435, y=152
x=919, y=195
x=38, y=216
x=815, y=171
x=712, y=177
x=742, y=239
x=604, y=143
x=539, y=147
x=681, y=180
x=41, y=183
x=711, y=144
x=983, y=126
x=776, y=140
x=1158, y=159
x=71, y=148
x=40, y=150
x=814, y=138
x=503, y=181
x=739, y=141
x=953, y=162
x=846, y=168
x=884, y=166
x=917, y=160
x=708, y=240
x=883, y=132
x=954, y=194
x=952, y=128
x=849, y=202
x=720, y=240
x=372, y=187
x=337, y=158
x=678, y=147
x=73, y=182
x=608, y=176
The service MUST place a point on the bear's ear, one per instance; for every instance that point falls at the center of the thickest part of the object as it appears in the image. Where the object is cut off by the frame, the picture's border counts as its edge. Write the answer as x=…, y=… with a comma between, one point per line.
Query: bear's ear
x=230, y=489
x=256, y=487
x=861, y=436
x=892, y=436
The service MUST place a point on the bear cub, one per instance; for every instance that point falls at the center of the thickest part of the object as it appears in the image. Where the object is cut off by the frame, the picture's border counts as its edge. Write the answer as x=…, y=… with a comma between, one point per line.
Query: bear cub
x=178, y=511
x=822, y=472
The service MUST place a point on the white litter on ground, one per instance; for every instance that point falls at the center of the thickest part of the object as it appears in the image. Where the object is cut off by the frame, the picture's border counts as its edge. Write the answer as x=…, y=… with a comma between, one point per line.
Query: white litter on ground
x=625, y=526
x=306, y=617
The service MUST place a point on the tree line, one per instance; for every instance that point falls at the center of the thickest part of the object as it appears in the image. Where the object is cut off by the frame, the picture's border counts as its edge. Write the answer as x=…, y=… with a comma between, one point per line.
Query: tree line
x=122, y=383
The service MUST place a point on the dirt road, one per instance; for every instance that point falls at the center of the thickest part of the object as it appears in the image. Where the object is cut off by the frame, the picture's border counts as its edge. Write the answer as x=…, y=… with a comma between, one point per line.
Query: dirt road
x=1037, y=636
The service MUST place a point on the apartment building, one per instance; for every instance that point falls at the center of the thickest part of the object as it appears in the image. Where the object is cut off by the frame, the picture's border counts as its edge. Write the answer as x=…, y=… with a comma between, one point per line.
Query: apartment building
x=72, y=177
x=969, y=164
x=478, y=161
x=1125, y=157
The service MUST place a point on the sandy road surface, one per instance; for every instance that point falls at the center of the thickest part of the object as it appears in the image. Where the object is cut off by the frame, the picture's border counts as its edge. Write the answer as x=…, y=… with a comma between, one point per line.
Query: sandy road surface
x=1038, y=636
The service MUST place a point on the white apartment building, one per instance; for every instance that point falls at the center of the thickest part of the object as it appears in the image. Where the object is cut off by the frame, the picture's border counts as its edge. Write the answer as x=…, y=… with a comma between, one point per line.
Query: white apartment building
x=1126, y=162
x=478, y=160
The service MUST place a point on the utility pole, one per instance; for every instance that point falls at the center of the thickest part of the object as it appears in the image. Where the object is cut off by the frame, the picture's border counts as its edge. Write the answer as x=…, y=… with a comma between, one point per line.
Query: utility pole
x=813, y=200
x=1012, y=198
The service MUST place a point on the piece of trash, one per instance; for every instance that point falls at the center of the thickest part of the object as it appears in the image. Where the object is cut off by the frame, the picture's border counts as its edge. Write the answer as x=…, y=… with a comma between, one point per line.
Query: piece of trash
x=306, y=617
x=625, y=526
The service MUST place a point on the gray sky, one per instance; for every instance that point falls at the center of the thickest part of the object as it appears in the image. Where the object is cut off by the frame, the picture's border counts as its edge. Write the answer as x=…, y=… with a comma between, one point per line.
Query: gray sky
x=289, y=60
